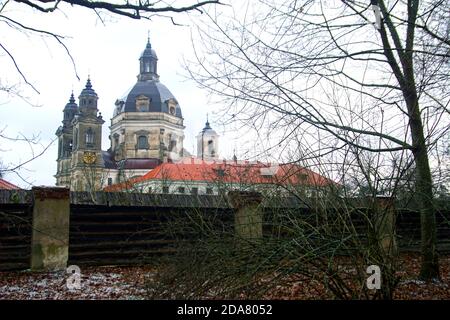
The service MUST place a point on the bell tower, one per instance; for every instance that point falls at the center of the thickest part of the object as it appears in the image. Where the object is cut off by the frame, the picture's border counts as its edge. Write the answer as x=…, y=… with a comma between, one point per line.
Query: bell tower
x=65, y=142
x=208, y=143
x=87, y=161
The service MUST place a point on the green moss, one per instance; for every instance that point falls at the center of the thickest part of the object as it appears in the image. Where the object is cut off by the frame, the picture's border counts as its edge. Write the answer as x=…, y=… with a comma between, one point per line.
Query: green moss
x=37, y=257
x=15, y=198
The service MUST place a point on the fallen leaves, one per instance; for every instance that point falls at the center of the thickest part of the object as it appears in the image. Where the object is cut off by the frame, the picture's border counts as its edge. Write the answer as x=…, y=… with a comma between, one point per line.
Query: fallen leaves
x=96, y=283
x=116, y=282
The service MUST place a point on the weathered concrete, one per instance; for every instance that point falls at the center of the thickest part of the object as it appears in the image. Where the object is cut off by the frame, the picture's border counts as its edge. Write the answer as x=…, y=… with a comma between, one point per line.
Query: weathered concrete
x=385, y=225
x=50, y=234
x=248, y=219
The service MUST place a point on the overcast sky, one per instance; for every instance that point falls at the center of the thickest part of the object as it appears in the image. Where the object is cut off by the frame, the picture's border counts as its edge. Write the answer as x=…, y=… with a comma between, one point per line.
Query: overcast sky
x=109, y=53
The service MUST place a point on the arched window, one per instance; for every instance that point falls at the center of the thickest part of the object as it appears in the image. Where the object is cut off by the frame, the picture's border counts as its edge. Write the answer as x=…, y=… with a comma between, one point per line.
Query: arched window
x=142, y=142
x=173, y=145
x=68, y=149
x=89, y=137
x=211, y=148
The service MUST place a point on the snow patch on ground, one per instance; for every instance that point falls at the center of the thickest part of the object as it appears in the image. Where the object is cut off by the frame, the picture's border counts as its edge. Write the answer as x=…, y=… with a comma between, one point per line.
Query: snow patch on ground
x=95, y=283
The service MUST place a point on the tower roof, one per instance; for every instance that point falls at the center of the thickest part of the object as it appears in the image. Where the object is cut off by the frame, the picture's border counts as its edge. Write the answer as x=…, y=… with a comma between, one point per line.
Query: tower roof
x=148, y=51
x=71, y=104
x=88, y=90
x=207, y=130
x=157, y=93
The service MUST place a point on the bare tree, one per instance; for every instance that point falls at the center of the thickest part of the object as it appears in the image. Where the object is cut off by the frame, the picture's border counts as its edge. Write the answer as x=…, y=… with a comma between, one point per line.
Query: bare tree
x=15, y=24
x=370, y=75
x=35, y=150
x=130, y=9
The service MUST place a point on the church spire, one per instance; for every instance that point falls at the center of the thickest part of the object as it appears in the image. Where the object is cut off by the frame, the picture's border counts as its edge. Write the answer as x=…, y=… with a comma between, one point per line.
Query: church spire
x=70, y=110
x=207, y=125
x=72, y=99
x=207, y=143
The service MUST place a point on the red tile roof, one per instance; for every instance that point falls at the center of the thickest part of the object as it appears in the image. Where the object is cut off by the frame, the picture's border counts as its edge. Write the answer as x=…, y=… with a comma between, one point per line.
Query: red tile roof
x=5, y=185
x=230, y=172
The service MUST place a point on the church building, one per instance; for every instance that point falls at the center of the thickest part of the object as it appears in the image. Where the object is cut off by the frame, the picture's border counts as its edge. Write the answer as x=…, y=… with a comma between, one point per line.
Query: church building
x=146, y=130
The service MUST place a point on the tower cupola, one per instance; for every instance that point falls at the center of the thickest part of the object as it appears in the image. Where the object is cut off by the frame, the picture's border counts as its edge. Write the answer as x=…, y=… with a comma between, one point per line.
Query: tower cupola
x=70, y=110
x=208, y=143
x=148, y=64
x=88, y=99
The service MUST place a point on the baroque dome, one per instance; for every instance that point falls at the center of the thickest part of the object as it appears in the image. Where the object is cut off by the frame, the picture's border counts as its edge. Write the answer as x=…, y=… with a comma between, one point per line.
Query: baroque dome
x=148, y=94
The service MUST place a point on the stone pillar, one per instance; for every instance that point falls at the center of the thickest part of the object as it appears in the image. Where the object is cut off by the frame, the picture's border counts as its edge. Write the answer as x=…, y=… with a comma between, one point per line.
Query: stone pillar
x=385, y=224
x=248, y=220
x=50, y=234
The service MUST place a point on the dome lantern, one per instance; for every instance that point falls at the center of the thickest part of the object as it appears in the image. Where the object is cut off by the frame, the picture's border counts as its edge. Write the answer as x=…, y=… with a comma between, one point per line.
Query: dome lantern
x=148, y=64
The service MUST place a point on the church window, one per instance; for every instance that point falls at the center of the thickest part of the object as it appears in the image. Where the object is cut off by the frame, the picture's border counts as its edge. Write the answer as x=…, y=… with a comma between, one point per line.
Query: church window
x=89, y=138
x=147, y=66
x=68, y=149
x=172, y=106
x=173, y=145
x=142, y=142
x=211, y=148
x=109, y=181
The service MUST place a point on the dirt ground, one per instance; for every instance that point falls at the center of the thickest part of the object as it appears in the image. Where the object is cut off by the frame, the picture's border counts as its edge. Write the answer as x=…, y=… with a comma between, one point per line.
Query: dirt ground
x=127, y=283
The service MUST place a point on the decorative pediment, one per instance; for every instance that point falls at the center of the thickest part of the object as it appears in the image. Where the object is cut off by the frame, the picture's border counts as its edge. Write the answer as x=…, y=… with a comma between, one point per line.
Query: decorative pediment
x=172, y=101
x=142, y=132
x=172, y=106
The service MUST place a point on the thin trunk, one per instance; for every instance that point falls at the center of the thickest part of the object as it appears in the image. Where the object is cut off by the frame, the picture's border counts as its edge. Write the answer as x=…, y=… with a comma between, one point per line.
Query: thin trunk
x=424, y=190
x=405, y=76
x=430, y=264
